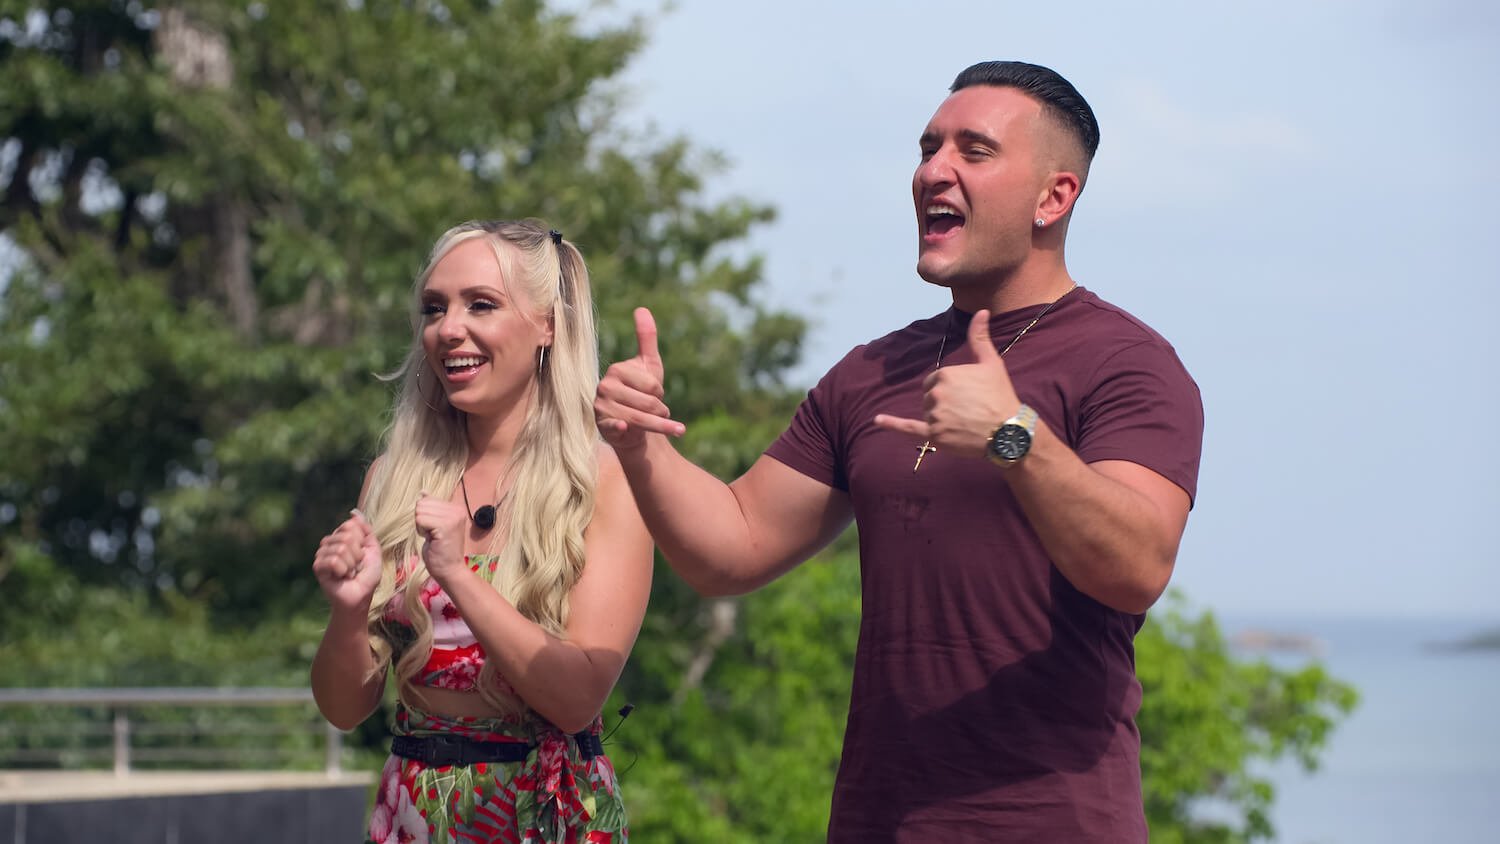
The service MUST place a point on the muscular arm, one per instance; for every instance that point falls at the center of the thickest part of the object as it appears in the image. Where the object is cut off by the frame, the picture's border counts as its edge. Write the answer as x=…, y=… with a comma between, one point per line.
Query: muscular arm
x=723, y=539
x=567, y=679
x=1112, y=527
x=728, y=539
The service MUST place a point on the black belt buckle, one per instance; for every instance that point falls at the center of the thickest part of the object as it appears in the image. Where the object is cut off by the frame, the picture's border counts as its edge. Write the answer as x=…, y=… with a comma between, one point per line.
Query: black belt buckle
x=445, y=750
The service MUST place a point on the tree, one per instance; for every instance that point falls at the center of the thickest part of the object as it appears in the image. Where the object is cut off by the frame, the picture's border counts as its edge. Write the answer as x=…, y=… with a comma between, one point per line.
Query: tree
x=1210, y=723
x=220, y=208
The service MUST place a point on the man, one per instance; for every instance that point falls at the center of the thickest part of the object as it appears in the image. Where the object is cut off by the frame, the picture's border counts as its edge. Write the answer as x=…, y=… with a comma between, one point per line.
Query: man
x=1020, y=467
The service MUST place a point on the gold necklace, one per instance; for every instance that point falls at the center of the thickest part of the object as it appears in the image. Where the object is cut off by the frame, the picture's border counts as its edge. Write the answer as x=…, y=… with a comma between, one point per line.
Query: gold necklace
x=927, y=445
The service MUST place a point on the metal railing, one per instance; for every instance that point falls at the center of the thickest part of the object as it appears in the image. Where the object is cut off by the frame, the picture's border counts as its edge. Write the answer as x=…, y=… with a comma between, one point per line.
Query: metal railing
x=121, y=702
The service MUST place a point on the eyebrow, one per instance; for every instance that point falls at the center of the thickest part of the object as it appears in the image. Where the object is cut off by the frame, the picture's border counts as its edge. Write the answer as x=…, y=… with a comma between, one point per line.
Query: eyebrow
x=468, y=292
x=969, y=135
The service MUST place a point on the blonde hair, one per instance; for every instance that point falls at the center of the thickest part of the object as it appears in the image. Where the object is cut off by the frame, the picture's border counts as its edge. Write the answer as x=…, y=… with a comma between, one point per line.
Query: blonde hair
x=553, y=465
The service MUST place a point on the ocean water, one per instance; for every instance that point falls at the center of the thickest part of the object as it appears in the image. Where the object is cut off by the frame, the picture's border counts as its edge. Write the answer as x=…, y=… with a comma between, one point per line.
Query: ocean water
x=1419, y=760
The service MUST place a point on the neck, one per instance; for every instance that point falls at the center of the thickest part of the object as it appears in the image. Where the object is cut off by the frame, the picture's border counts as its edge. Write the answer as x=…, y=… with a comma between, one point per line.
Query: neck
x=1020, y=288
x=492, y=439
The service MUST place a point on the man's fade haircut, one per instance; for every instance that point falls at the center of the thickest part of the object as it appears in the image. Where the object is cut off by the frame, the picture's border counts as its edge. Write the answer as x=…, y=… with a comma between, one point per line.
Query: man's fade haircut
x=1057, y=95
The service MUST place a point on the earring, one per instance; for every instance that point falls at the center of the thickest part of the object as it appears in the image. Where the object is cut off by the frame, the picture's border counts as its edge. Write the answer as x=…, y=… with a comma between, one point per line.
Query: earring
x=1040, y=222
x=541, y=358
x=423, y=394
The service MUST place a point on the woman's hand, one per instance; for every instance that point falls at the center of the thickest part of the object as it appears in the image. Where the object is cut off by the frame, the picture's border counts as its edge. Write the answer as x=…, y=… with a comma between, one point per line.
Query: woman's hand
x=442, y=524
x=347, y=564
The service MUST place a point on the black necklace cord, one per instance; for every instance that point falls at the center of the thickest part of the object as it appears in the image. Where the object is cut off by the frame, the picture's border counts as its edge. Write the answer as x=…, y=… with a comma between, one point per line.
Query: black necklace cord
x=484, y=517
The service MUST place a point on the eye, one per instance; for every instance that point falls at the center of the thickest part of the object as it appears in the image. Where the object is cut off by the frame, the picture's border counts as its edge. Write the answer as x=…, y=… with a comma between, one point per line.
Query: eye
x=432, y=309
x=483, y=305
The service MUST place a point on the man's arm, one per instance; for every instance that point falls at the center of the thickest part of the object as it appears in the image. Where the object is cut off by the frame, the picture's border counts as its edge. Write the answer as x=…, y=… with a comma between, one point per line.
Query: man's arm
x=1112, y=527
x=723, y=539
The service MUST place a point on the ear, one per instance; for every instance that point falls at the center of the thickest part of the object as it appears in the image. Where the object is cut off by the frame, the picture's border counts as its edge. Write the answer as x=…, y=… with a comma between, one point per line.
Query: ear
x=546, y=338
x=1059, y=192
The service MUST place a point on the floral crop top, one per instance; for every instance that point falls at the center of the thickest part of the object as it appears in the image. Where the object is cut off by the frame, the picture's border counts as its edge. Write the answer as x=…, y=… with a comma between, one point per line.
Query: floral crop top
x=456, y=655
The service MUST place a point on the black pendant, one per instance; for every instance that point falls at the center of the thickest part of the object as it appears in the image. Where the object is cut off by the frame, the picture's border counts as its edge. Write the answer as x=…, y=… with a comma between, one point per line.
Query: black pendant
x=484, y=517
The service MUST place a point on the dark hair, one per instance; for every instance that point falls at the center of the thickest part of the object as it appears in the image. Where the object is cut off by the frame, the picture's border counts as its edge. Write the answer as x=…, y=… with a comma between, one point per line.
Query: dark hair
x=1056, y=94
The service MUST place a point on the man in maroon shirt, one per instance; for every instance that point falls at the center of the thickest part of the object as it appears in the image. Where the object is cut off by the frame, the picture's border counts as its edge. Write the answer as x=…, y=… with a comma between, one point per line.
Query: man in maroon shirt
x=1021, y=468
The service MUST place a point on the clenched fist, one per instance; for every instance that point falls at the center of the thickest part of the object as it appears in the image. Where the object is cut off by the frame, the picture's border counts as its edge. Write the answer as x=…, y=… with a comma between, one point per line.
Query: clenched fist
x=347, y=564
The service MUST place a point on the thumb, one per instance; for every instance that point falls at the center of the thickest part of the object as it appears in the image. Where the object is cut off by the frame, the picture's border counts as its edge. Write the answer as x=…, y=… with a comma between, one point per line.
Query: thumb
x=366, y=530
x=645, y=336
x=979, y=338
x=370, y=540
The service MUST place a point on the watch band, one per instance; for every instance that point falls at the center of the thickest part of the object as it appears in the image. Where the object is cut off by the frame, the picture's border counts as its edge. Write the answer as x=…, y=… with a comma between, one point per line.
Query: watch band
x=1025, y=417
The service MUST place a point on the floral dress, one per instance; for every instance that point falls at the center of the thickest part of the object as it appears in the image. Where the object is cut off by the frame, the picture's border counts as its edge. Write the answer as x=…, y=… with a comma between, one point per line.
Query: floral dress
x=553, y=796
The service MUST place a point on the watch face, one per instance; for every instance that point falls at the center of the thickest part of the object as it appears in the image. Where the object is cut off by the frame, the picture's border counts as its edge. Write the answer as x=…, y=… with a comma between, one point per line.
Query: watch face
x=1011, y=443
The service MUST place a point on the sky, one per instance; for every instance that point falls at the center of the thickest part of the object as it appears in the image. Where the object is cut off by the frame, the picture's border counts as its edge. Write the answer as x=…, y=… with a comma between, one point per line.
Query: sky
x=1300, y=196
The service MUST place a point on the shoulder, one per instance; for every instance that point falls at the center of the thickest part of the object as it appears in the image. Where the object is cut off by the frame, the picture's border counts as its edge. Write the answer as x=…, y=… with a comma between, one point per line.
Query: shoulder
x=370, y=472
x=1113, y=336
x=615, y=509
x=611, y=482
x=1111, y=320
x=608, y=461
x=894, y=355
x=928, y=330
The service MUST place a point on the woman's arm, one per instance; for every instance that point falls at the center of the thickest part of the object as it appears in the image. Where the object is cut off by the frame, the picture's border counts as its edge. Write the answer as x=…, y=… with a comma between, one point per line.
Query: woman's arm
x=565, y=680
x=347, y=566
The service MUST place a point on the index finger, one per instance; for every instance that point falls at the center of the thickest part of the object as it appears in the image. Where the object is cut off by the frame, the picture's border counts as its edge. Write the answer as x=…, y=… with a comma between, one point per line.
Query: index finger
x=645, y=336
x=915, y=427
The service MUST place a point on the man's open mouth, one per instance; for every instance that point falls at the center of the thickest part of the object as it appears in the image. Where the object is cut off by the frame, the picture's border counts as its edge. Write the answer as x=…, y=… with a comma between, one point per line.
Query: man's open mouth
x=943, y=219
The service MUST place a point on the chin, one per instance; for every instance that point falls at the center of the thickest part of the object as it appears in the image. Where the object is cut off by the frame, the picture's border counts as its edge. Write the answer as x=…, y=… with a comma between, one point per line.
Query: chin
x=941, y=276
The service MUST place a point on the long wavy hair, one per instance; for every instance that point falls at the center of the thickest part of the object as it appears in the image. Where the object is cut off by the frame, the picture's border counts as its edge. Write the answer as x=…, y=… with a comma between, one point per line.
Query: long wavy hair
x=553, y=466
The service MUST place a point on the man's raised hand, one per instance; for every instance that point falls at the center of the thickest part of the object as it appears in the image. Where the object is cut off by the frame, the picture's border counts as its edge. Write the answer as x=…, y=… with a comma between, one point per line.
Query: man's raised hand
x=628, y=404
x=963, y=404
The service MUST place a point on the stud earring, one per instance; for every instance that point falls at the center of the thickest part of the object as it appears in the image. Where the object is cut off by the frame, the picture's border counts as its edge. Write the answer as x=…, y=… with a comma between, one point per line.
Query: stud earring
x=1040, y=222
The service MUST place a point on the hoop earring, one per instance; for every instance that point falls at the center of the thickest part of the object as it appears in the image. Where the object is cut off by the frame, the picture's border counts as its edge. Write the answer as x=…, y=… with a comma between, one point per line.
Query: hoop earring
x=422, y=394
x=541, y=358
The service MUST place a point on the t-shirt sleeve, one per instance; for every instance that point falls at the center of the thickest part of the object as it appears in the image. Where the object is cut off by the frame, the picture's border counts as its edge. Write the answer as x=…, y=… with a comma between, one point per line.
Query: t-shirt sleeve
x=808, y=445
x=1144, y=407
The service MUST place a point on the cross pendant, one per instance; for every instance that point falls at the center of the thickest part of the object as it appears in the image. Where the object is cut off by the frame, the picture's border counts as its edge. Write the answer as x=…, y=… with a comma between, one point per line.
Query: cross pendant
x=921, y=453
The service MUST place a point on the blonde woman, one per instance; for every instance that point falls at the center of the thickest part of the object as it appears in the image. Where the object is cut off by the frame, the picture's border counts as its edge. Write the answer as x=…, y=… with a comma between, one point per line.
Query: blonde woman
x=497, y=567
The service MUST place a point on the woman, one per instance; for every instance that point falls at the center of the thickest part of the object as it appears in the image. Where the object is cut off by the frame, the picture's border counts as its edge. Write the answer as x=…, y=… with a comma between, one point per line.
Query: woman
x=502, y=571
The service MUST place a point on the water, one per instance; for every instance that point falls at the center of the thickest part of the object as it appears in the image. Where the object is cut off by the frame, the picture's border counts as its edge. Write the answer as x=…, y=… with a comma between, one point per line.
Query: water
x=1419, y=760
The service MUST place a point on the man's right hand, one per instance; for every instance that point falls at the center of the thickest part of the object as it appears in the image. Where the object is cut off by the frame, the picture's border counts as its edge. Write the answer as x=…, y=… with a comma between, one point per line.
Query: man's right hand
x=628, y=404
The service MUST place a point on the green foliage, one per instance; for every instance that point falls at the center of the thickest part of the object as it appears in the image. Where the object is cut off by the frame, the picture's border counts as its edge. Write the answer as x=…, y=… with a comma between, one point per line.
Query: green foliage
x=746, y=750
x=218, y=256
x=1210, y=723
x=97, y=637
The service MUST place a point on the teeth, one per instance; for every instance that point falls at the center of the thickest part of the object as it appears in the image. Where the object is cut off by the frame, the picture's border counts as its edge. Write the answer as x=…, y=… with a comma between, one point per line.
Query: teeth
x=941, y=210
x=459, y=363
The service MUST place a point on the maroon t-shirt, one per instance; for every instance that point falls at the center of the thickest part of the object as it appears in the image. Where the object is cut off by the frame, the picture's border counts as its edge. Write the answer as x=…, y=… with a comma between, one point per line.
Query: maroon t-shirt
x=992, y=700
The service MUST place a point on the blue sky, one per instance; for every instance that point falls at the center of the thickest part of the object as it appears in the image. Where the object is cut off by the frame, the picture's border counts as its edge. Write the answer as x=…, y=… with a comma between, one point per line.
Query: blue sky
x=1300, y=196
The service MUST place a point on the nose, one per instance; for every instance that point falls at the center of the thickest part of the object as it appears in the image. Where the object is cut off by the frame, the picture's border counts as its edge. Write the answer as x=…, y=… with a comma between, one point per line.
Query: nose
x=935, y=171
x=451, y=328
